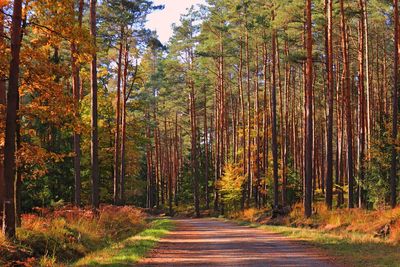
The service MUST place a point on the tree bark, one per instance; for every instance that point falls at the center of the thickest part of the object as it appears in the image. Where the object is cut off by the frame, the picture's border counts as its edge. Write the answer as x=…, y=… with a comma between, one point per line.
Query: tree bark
x=393, y=167
x=361, y=107
x=94, y=116
x=11, y=123
x=309, y=115
x=123, y=130
x=76, y=90
x=249, y=179
x=257, y=125
x=206, y=151
x=194, y=149
x=2, y=119
x=329, y=127
x=117, y=151
x=348, y=112
x=274, y=121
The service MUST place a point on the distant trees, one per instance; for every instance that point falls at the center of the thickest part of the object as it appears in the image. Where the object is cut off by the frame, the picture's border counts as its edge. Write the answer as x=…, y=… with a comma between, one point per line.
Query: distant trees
x=251, y=103
x=324, y=147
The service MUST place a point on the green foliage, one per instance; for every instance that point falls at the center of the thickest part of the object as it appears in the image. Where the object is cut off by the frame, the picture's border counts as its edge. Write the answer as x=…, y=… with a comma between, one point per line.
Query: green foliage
x=378, y=169
x=294, y=186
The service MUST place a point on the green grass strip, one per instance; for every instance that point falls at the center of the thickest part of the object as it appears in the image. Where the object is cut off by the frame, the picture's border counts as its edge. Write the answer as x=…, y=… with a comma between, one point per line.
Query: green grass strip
x=132, y=249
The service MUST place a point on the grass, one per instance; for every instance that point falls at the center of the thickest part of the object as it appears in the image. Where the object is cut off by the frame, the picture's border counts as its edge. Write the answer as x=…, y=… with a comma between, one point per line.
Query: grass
x=131, y=250
x=62, y=236
x=349, y=236
x=355, y=249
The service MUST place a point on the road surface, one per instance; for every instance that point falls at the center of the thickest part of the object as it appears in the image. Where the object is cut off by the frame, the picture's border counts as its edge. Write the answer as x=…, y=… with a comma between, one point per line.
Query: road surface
x=208, y=242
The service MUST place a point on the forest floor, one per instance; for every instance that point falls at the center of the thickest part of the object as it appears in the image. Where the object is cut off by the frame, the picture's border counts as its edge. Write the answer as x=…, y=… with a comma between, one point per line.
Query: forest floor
x=212, y=242
x=67, y=236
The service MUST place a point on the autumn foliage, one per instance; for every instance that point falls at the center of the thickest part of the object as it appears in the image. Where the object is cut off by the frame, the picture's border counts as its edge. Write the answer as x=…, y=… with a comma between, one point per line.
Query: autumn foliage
x=66, y=234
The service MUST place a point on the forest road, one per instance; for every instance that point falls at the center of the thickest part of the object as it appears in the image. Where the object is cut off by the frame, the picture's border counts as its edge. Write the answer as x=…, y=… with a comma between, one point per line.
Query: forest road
x=209, y=242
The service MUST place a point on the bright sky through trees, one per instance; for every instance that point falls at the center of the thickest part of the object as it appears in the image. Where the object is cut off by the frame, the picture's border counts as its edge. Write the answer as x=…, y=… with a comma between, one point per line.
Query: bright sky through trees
x=162, y=20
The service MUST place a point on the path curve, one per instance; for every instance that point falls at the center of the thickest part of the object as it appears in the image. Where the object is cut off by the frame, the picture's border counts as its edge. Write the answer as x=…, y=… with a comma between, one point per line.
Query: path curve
x=208, y=242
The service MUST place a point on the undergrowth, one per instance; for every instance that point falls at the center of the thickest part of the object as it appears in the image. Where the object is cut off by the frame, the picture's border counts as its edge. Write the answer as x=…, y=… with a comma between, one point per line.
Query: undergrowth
x=339, y=221
x=353, y=237
x=62, y=236
x=130, y=250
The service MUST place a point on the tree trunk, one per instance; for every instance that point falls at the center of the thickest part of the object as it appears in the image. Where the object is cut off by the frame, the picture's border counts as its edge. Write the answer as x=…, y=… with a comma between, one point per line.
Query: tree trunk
x=11, y=123
x=274, y=121
x=148, y=164
x=257, y=125
x=309, y=113
x=243, y=115
x=123, y=137
x=18, y=177
x=329, y=127
x=94, y=116
x=361, y=107
x=348, y=112
x=76, y=90
x=393, y=167
x=116, y=196
x=367, y=73
x=194, y=149
x=206, y=151
x=2, y=119
x=249, y=180
x=156, y=157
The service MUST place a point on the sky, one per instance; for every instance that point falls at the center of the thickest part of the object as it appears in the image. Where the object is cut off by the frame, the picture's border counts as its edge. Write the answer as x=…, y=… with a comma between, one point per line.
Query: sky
x=161, y=21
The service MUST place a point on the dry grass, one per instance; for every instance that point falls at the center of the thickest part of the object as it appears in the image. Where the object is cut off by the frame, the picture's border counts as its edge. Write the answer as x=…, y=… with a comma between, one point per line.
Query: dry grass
x=339, y=221
x=354, y=220
x=54, y=237
x=130, y=250
x=349, y=236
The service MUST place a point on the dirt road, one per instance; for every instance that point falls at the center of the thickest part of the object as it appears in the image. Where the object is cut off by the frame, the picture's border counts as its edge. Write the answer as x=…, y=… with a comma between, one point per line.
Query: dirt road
x=207, y=242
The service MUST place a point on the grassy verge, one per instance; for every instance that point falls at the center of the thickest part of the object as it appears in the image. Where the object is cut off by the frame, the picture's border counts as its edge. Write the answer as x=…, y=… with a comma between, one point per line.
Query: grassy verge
x=130, y=250
x=349, y=249
x=59, y=237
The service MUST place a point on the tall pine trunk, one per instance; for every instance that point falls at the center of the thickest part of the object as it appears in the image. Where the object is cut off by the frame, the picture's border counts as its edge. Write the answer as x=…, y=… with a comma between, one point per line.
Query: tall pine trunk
x=308, y=116
x=123, y=129
x=361, y=107
x=329, y=127
x=347, y=103
x=274, y=121
x=205, y=150
x=116, y=196
x=94, y=116
x=393, y=168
